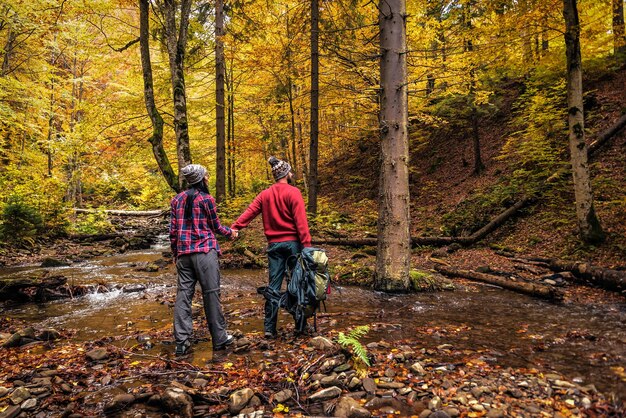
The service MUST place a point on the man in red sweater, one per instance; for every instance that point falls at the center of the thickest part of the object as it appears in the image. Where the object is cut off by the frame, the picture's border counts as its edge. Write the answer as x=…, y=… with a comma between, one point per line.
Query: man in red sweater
x=286, y=229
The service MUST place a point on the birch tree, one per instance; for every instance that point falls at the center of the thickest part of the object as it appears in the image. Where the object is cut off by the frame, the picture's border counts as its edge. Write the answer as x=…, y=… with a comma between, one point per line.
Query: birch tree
x=588, y=223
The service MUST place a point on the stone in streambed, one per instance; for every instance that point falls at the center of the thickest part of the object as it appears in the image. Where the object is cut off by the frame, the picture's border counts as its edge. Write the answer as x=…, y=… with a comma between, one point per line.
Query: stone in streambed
x=119, y=402
x=369, y=385
x=283, y=395
x=49, y=334
x=3, y=391
x=177, y=401
x=97, y=354
x=29, y=404
x=53, y=262
x=19, y=395
x=350, y=408
x=326, y=394
x=239, y=399
x=418, y=369
x=328, y=381
x=11, y=412
x=439, y=414
x=322, y=343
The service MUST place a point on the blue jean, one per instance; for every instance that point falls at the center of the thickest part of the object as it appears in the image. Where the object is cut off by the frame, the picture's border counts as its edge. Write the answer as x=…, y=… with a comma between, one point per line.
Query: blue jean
x=280, y=255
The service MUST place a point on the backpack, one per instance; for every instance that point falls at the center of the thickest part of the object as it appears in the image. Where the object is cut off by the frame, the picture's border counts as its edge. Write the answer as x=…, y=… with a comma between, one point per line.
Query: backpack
x=308, y=285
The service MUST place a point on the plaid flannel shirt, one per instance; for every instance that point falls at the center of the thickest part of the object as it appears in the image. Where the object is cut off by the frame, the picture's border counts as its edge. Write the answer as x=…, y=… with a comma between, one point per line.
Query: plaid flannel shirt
x=198, y=234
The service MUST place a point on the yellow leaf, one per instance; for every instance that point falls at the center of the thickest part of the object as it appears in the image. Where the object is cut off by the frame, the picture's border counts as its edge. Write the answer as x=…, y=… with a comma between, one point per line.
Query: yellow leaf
x=228, y=365
x=134, y=363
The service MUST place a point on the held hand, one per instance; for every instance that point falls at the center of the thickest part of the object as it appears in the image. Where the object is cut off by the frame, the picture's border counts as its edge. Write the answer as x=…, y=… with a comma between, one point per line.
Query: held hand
x=234, y=234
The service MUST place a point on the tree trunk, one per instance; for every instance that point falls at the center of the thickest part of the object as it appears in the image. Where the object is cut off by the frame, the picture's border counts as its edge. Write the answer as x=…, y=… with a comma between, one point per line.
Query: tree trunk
x=220, y=146
x=8, y=53
x=148, y=90
x=589, y=225
x=305, y=171
x=605, y=278
x=313, y=149
x=394, y=244
x=619, y=35
x=176, y=46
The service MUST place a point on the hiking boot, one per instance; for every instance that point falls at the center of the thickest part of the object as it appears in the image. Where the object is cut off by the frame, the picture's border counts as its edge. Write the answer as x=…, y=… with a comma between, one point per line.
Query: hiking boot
x=183, y=348
x=269, y=335
x=229, y=340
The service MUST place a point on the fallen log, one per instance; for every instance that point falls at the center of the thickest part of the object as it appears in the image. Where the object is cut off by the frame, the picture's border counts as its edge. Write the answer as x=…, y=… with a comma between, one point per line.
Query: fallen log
x=532, y=289
x=138, y=213
x=602, y=277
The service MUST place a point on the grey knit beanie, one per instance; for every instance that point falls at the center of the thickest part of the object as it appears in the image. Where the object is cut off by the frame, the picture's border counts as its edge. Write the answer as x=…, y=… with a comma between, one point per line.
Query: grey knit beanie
x=280, y=168
x=194, y=173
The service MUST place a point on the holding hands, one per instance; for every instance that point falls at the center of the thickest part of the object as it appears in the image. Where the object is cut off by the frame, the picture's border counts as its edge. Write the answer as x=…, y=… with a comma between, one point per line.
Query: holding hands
x=234, y=234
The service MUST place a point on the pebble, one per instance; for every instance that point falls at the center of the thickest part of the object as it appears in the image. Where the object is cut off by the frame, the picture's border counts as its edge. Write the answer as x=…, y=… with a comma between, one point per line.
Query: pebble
x=389, y=372
x=354, y=383
x=417, y=368
x=326, y=394
x=425, y=413
x=453, y=412
x=283, y=395
x=435, y=403
x=29, y=404
x=97, y=354
x=478, y=407
x=495, y=413
x=570, y=403
x=369, y=385
x=19, y=395
x=3, y=391
x=12, y=411
x=586, y=402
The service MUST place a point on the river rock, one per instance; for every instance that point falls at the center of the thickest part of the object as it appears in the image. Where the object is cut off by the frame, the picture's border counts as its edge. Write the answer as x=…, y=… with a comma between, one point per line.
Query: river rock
x=49, y=334
x=29, y=404
x=199, y=383
x=453, y=412
x=326, y=394
x=13, y=341
x=350, y=408
x=283, y=395
x=97, y=354
x=41, y=381
x=177, y=401
x=369, y=385
x=425, y=413
x=322, y=343
x=495, y=413
x=19, y=395
x=417, y=368
x=390, y=385
x=119, y=402
x=331, y=363
x=3, y=391
x=354, y=383
x=239, y=399
x=11, y=412
x=53, y=262
x=439, y=414
x=328, y=381
x=342, y=368
x=435, y=403
x=133, y=288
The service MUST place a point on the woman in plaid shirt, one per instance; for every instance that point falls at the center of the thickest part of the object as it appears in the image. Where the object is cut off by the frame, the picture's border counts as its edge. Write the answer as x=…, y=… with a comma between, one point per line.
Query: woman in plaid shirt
x=193, y=225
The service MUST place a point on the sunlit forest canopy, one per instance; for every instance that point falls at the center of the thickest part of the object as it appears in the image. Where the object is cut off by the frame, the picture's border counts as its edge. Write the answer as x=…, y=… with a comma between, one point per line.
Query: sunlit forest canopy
x=74, y=128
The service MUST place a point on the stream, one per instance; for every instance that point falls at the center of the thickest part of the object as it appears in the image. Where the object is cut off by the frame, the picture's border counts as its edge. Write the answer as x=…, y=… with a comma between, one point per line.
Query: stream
x=585, y=343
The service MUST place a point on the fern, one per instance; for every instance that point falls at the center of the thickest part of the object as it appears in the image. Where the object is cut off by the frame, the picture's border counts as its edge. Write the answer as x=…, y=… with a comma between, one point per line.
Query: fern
x=351, y=340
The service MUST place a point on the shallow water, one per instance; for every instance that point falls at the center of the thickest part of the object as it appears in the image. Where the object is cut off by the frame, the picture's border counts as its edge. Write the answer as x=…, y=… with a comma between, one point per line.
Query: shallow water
x=580, y=342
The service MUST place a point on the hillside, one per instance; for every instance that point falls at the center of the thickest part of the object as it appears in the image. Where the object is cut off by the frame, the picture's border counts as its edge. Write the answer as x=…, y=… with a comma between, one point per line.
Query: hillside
x=444, y=190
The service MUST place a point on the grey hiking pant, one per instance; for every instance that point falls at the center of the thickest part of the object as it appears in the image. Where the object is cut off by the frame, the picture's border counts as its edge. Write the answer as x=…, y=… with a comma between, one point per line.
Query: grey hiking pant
x=205, y=269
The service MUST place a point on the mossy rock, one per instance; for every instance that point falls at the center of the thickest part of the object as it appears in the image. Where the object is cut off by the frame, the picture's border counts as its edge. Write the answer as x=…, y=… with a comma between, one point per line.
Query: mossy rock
x=424, y=281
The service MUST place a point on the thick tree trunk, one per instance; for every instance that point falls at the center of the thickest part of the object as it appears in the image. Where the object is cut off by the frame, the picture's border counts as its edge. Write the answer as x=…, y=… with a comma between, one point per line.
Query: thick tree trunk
x=148, y=90
x=8, y=53
x=589, y=225
x=532, y=289
x=314, y=122
x=220, y=141
x=619, y=35
x=394, y=244
x=176, y=46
